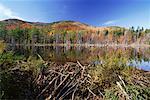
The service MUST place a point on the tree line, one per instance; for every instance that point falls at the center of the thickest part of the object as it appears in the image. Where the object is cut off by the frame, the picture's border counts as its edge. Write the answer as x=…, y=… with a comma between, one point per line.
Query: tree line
x=35, y=35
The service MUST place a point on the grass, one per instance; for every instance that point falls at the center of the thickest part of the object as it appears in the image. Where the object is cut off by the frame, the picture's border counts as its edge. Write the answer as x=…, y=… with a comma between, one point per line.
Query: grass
x=112, y=66
x=107, y=74
x=2, y=46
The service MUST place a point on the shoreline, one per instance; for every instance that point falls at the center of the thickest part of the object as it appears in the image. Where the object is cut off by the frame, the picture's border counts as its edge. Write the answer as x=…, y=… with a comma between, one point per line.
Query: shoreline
x=86, y=45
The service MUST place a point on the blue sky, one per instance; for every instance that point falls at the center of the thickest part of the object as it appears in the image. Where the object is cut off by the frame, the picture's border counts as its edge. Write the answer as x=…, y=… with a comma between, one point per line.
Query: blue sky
x=125, y=13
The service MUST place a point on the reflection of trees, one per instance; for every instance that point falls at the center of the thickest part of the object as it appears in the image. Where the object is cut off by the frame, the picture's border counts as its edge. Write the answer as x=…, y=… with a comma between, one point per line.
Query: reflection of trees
x=63, y=54
x=129, y=53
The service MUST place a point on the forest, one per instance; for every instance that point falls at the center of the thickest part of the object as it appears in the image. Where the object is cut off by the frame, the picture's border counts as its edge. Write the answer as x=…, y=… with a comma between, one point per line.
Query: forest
x=69, y=32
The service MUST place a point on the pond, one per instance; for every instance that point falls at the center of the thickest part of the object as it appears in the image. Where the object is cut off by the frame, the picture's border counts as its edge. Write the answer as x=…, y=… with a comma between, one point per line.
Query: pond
x=138, y=57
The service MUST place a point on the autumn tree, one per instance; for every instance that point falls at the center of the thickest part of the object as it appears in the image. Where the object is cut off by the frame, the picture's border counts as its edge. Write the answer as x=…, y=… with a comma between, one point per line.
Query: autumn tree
x=3, y=32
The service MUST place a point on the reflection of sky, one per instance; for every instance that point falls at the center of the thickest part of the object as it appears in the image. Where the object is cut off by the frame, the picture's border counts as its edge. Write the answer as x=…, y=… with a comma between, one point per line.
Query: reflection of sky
x=145, y=65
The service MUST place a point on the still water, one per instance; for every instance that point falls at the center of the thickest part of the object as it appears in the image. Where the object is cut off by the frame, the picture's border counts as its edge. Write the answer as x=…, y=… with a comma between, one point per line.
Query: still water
x=137, y=57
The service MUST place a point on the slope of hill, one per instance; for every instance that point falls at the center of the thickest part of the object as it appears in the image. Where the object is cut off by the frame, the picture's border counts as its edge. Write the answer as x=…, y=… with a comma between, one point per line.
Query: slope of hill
x=60, y=25
x=68, y=32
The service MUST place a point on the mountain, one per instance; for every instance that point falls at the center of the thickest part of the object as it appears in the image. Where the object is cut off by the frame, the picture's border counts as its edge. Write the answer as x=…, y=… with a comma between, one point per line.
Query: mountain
x=18, y=22
x=68, y=32
x=59, y=25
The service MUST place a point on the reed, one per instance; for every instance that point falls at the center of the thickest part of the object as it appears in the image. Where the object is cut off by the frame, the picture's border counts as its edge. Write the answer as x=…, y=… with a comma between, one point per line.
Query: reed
x=2, y=46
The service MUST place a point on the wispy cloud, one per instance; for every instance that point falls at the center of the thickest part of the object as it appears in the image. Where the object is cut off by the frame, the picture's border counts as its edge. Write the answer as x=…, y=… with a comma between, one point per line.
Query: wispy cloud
x=110, y=22
x=6, y=12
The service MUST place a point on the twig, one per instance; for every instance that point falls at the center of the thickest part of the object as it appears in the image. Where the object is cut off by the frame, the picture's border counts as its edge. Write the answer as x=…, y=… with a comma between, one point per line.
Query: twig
x=66, y=92
x=122, y=81
x=83, y=69
x=91, y=92
x=40, y=57
x=69, y=82
x=57, y=72
x=37, y=81
x=62, y=82
x=73, y=94
x=49, y=97
x=119, y=85
x=55, y=83
x=80, y=64
x=60, y=85
x=100, y=92
x=47, y=86
x=61, y=78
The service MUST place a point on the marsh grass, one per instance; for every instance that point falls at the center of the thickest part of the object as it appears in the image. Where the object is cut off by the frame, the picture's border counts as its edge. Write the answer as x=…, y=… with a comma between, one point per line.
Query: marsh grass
x=107, y=74
x=112, y=66
x=2, y=46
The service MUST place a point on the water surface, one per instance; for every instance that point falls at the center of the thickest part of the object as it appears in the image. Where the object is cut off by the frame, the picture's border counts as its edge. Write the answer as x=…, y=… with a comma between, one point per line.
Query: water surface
x=137, y=57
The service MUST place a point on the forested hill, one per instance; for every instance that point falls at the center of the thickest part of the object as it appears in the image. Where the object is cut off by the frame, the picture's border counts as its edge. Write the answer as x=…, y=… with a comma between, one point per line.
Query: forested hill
x=59, y=25
x=70, y=32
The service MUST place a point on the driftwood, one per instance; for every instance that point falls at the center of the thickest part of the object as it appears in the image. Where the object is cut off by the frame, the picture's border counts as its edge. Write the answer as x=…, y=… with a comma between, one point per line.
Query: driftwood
x=64, y=82
x=72, y=81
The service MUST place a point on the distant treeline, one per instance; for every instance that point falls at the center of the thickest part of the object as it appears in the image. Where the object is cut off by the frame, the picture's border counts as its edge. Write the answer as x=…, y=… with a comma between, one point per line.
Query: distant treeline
x=42, y=35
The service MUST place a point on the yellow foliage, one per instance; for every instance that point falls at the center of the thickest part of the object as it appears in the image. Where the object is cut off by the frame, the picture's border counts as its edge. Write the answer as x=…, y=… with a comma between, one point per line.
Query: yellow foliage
x=2, y=46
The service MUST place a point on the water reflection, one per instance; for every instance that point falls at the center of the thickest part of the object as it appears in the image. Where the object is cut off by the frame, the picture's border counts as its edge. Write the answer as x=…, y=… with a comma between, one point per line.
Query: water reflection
x=138, y=57
x=140, y=64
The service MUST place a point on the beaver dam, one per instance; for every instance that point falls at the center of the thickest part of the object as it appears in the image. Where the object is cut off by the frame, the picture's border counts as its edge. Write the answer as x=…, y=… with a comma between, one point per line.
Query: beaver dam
x=93, y=73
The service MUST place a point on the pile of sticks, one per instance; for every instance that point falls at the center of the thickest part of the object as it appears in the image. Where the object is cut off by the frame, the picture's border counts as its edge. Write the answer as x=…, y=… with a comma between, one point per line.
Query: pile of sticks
x=69, y=81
